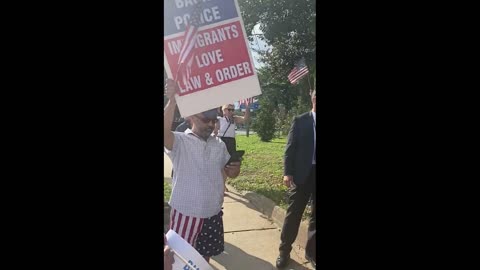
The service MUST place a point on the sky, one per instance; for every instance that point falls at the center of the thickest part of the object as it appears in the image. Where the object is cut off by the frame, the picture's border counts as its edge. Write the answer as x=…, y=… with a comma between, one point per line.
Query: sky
x=257, y=43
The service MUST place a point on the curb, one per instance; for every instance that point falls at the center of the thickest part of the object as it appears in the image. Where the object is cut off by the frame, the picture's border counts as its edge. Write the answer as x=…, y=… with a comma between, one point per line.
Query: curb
x=273, y=212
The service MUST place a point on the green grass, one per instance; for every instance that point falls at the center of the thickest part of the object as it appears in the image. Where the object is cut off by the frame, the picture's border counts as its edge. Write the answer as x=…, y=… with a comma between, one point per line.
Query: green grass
x=167, y=190
x=262, y=168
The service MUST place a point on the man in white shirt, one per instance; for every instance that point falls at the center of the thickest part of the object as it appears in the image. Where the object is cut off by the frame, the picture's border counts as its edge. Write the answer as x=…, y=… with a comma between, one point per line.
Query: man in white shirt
x=200, y=164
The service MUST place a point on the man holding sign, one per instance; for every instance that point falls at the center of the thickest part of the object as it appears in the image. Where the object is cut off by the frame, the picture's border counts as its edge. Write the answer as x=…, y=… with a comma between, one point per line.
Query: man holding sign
x=200, y=162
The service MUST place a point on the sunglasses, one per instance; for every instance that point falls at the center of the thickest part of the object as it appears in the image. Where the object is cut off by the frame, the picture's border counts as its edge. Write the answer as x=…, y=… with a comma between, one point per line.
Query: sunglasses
x=231, y=110
x=207, y=120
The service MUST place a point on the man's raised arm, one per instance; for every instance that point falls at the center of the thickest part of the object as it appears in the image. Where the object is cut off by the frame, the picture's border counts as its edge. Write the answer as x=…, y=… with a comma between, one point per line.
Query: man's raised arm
x=168, y=114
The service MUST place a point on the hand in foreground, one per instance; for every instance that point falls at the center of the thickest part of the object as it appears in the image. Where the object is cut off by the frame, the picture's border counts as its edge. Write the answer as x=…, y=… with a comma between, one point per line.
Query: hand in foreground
x=168, y=259
x=233, y=169
x=288, y=181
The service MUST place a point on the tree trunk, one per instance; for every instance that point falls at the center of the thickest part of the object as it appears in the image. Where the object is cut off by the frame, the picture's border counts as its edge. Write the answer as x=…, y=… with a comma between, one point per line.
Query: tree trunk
x=247, y=127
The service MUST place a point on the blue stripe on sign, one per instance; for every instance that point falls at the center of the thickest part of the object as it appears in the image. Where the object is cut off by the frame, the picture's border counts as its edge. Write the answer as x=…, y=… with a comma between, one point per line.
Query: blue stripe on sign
x=214, y=11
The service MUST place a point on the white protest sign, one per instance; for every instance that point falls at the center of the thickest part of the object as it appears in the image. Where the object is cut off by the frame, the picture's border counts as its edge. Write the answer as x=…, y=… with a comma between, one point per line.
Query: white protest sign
x=222, y=69
x=186, y=257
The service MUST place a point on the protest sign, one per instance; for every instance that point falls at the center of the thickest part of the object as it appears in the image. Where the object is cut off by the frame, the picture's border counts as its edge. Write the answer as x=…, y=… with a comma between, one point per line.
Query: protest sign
x=221, y=69
x=186, y=257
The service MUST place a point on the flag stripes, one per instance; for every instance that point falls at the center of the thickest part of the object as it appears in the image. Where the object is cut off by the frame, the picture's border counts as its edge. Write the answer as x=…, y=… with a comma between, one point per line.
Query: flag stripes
x=298, y=72
x=187, y=227
x=187, y=52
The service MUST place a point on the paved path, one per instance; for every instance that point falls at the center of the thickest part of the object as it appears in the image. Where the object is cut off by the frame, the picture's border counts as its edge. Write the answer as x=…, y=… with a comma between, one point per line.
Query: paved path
x=251, y=239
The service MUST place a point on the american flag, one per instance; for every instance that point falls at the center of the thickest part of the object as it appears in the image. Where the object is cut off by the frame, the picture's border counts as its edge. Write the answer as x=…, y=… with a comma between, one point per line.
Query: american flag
x=188, y=48
x=246, y=101
x=298, y=72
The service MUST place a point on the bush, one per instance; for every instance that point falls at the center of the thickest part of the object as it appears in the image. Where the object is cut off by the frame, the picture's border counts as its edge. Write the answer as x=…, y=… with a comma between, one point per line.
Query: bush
x=264, y=124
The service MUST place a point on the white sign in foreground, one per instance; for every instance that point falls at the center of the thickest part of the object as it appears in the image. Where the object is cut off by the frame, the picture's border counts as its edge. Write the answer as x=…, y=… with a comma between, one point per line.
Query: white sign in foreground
x=186, y=257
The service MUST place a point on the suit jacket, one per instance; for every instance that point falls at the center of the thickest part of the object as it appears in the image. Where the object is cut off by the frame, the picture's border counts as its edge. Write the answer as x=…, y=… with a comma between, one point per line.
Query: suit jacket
x=299, y=149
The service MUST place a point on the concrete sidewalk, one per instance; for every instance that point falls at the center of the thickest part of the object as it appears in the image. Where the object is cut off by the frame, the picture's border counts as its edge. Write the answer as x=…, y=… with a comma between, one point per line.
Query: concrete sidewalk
x=251, y=239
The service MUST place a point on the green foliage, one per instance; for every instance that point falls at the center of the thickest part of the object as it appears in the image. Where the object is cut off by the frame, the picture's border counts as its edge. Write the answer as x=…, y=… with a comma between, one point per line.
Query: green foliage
x=167, y=191
x=279, y=102
x=262, y=167
x=288, y=26
x=264, y=123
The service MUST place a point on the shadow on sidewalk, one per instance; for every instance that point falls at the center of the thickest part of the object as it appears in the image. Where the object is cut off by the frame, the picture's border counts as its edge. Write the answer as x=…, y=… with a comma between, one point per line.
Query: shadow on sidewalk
x=266, y=206
x=234, y=258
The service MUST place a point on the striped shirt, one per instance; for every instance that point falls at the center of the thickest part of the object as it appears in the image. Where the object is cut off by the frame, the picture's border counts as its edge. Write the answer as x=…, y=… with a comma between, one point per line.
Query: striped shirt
x=197, y=184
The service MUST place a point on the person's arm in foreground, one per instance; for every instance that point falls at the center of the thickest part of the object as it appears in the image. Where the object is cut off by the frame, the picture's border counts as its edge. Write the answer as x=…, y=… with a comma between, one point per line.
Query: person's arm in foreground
x=168, y=259
x=168, y=114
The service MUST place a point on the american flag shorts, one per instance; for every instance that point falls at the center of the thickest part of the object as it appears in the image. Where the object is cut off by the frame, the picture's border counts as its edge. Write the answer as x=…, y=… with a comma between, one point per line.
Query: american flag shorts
x=204, y=234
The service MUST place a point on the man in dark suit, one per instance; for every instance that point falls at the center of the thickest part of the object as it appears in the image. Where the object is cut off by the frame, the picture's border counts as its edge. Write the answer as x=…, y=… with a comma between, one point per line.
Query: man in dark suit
x=299, y=176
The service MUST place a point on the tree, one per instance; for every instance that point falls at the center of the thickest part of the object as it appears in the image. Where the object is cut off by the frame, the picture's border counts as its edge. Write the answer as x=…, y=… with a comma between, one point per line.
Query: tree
x=264, y=123
x=281, y=100
x=288, y=26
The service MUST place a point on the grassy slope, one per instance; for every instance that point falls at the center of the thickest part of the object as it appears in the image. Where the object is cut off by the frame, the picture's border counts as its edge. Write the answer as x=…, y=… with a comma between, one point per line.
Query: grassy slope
x=262, y=167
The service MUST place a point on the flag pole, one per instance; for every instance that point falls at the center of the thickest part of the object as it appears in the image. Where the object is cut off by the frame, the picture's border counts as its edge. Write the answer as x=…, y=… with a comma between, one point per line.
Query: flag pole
x=176, y=74
x=308, y=78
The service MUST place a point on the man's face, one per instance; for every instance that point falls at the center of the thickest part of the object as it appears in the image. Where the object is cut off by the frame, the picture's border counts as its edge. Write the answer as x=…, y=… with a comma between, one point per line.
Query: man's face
x=202, y=125
x=228, y=111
